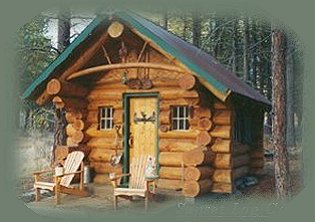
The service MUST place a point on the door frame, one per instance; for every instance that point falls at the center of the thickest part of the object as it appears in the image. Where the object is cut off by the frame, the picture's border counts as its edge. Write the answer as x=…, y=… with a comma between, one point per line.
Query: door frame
x=126, y=127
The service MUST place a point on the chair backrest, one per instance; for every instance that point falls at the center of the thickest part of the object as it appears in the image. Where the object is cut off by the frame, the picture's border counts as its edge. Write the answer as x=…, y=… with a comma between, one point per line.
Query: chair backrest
x=137, y=171
x=72, y=164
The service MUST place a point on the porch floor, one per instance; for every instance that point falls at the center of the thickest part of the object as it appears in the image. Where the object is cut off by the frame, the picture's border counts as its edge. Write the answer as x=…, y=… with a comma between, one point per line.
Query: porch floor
x=101, y=201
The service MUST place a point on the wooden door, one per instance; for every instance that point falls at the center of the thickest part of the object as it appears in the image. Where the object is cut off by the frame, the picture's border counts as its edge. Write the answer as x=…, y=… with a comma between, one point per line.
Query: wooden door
x=142, y=127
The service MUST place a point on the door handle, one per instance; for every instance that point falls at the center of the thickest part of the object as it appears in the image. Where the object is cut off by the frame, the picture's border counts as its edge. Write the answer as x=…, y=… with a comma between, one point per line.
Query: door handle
x=130, y=141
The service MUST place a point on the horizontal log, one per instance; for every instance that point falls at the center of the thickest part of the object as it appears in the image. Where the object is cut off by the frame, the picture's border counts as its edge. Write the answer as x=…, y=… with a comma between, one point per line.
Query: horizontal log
x=69, y=104
x=198, y=156
x=203, y=138
x=92, y=70
x=222, y=176
x=256, y=154
x=165, y=117
x=171, y=159
x=218, y=187
x=257, y=171
x=96, y=104
x=187, y=82
x=240, y=172
x=218, y=105
x=165, y=93
x=222, y=117
x=223, y=161
x=101, y=155
x=116, y=83
x=93, y=131
x=204, y=123
x=101, y=179
x=223, y=132
x=257, y=163
x=175, y=145
x=63, y=88
x=201, y=112
x=194, y=188
x=171, y=173
x=166, y=104
x=104, y=143
x=170, y=184
x=102, y=167
x=221, y=146
x=240, y=149
x=190, y=134
x=240, y=160
x=198, y=173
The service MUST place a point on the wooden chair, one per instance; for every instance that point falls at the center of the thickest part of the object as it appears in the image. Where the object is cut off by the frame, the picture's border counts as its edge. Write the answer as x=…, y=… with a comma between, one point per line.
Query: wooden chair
x=138, y=184
x=61, y=184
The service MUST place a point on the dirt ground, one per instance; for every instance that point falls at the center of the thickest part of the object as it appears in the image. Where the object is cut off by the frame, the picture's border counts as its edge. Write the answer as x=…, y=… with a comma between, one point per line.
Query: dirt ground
x=101, y=198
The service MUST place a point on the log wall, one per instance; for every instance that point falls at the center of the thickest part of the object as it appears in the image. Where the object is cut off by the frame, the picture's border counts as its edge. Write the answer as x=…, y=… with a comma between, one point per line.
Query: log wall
x=199, y=160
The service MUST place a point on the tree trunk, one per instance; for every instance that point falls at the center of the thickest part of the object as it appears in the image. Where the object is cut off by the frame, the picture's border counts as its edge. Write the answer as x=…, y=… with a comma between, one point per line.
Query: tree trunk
x=290, y=90
x=245, y=54
x=64, y=25
x=60, y=137
x=196, y=29
x=282, y=174
x=165, y=19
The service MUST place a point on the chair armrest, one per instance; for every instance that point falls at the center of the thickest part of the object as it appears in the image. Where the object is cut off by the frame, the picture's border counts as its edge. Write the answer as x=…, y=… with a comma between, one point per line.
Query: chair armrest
x=67, y=174
x=43, y=171
x=120, y=176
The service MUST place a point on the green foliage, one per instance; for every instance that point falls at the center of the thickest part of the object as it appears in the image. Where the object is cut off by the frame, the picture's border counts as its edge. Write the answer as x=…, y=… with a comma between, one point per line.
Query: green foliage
x=34, y=53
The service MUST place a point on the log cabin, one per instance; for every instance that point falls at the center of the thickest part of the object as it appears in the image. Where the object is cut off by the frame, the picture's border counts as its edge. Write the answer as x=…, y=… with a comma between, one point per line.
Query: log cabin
x=126, y=87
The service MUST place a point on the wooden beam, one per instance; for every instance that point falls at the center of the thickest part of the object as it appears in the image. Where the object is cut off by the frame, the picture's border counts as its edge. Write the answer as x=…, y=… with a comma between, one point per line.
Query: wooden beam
x=106, y=55
x=142, y=51
x=95, y=69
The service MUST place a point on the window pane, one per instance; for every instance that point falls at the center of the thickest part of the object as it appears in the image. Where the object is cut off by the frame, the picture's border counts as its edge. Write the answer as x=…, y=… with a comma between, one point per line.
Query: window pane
x=108, y=124
x=186, y=111
x=101, y=112
x=181, y=124
x=174, y=108
x=102, y=126
x=174, y=126
x=186, y=124
x=181, y=111
x=109, y=112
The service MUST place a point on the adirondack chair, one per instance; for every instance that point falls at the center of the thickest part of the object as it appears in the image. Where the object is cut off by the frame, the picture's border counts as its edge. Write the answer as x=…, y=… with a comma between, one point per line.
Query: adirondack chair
x=138, y=184
x=61, y=184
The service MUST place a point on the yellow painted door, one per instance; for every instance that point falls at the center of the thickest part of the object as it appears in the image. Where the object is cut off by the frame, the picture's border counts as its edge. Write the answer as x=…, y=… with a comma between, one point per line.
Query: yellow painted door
x=143, y=134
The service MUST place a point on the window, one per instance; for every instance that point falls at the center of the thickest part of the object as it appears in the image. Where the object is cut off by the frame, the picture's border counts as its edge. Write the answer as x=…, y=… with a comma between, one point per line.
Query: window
x=180, y=118
x=106, y=118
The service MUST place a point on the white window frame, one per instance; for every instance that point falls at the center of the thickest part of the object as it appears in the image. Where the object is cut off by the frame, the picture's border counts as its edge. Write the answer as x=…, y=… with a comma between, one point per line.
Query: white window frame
x=178, y=118
x=103, y=116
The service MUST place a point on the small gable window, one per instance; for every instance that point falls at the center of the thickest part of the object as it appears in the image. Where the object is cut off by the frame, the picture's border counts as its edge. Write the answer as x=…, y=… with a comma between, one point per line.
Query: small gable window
x=106, y=118
x=180, y=118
